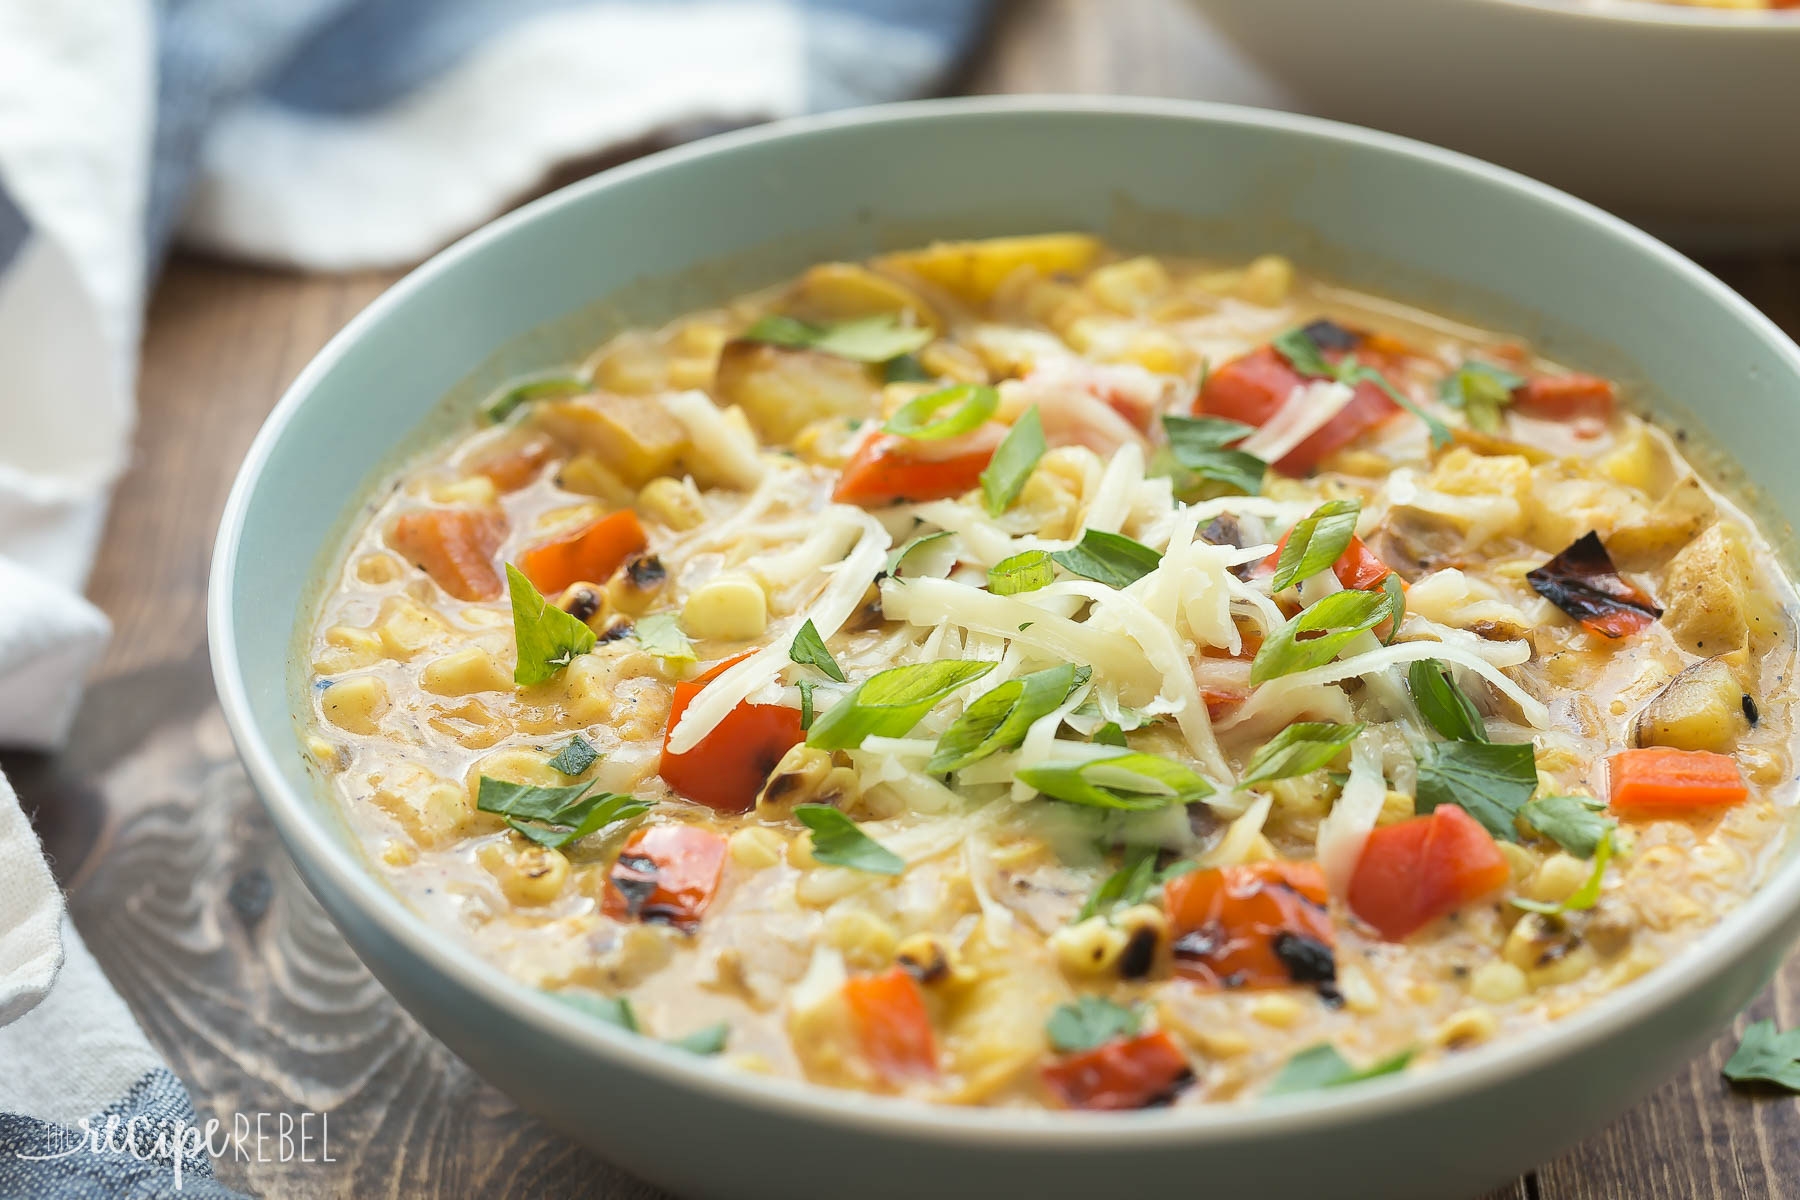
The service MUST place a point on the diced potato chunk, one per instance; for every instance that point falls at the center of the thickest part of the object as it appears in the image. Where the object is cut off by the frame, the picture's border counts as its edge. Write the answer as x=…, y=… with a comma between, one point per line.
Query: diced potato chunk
x=1704, y=606
x=356, y=705
x=634, y=436
x=845, y=291
x=731, y=607
x=972, y=270
x=1129, y=287
x=783, y=390
x=1677, y=519
x=462, y=672
x=428, y=808
x=1701, y=709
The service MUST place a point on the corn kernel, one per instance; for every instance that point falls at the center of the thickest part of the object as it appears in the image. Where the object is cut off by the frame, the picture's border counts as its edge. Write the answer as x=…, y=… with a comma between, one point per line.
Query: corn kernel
x=866, y=941
x=356, y=705
x=729, y=607
x=378, y=569
x=672, y=501
x=757, y=847
x=1267, y=281
x=477, y=491
x=1497, y=983
x=407, y=627
x=1561, y=876
x=1090, y=947
x=1130, y=286
x=1281, y=1012
x=399, y=854
x=1468, y=1027
x=529, y=875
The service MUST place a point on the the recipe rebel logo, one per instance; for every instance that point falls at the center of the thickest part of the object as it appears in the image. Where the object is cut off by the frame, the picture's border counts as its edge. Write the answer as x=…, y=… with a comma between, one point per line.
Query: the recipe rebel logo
x=261, y=1137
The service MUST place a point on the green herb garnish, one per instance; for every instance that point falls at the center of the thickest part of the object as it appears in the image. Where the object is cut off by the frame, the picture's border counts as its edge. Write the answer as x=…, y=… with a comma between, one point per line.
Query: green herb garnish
x=999, y=718
x=1132, y=882
x=837, y=840
x=1090, y=1021
x=660, y=634
x=1321, y=1066
x=1024, y=572
x=502, y=405
x=1300, y=749
x=555, y=816
x=1442, y=703
x=1110, y=734
x=1584, y=897
x=1304, y=355
x=901, y=554
x=548, y=639
x=866, y=339
x=614, y=1010
x=1573, y=822
x=1013, y=461
x=1491, y=781
x=1766, y=1056
x=806, y=687
x=1198, y=445
x=889, y=703
x=1316, y=542
x=1130, y=781
x=1481, y=390
x=918, y=418
x=1338, y=619
x=707, y=1041
x=809, y=651
x=1109, y=558
x=575, y=757
x=905, y=368
x=1395, y=591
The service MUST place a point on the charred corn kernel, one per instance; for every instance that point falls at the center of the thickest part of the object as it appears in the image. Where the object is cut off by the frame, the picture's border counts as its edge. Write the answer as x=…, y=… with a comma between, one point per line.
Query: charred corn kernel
x=807, y=775
x=1560, y=877
x=636, y=585
x=933, y=961
x=1090, y=947
x=756, y=847
x=407, y=628
x=729, y=607
x=800, y=853
x=672, y=501
x=1395, y=806
x=588, y=603
x=1146, y=931
x=356, y=705
x=1267, y=281
x=1129, y=286
x=1570, y=966
x=1277, y=1010
x=347, y=649
x=378, y=569
x=399, y=854
x=1468, y=1027
x=865, y=940
x=530, y=875
x=462, y=672
x=1497, y=983
x=476, y=491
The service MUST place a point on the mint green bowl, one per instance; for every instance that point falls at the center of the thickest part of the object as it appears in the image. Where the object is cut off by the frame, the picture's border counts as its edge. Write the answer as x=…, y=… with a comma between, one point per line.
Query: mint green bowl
x=692, y=225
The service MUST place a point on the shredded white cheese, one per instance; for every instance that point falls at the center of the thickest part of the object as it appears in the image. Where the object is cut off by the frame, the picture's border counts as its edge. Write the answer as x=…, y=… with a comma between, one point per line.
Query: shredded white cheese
x=1347, y=825
x=1309, y=406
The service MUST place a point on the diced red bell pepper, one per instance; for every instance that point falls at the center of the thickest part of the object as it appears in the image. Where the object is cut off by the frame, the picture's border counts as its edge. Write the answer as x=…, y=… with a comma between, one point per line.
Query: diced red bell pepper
x=666, y=874
x=1125, y=1073
x=591, y=554
x=455, y=546
x=890, y=469
x=1357, y=567
x=1415, y=871
x=1657, y=780
x=892, y=1025
x=1565, y=397
x=1254, y=387
x=1253, y=925
x=728, y=766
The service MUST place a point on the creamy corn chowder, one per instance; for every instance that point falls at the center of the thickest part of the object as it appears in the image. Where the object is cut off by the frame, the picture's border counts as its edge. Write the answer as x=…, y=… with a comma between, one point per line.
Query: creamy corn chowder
x=1013, y=673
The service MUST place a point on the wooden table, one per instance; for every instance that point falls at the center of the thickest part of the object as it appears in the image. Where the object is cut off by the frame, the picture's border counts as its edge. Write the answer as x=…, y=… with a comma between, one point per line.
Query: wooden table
x=182, y=892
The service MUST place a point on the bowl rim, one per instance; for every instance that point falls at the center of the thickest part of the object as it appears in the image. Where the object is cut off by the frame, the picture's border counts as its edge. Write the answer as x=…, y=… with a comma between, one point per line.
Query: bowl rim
x=1729, y=21
x=325, y=856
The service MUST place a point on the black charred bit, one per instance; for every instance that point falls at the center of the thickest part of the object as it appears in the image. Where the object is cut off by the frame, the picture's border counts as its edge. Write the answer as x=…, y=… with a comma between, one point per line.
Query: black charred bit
x=1307, y=959
x=1327, y=334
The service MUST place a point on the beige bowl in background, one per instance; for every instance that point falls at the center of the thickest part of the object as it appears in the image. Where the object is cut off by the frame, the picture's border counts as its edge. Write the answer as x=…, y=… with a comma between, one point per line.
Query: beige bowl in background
x=1684, y=119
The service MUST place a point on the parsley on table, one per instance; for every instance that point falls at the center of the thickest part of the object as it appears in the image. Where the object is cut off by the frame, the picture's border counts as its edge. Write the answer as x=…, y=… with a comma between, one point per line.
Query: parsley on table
x=1766, y=1056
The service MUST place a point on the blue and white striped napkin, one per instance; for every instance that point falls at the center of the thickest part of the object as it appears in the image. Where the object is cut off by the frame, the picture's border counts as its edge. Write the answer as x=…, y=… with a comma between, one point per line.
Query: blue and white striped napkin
x=324, y=134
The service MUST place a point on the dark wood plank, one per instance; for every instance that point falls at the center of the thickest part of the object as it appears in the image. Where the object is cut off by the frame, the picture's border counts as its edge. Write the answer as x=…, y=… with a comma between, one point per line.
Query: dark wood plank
x=184, y=895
